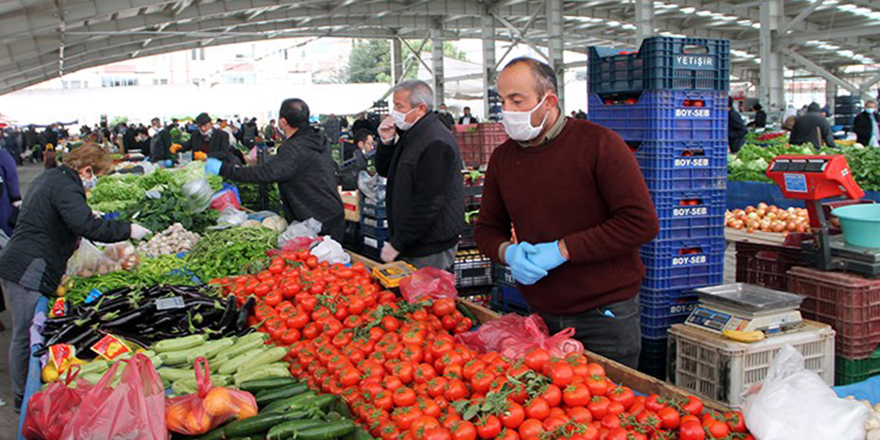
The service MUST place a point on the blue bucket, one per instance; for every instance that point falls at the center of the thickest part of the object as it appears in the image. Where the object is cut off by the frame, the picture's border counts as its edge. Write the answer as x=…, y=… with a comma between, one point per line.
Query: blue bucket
x=860, y=224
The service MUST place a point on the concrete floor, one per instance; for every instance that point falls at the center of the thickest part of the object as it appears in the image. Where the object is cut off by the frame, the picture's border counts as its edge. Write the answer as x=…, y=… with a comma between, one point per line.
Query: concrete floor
x=8, y=418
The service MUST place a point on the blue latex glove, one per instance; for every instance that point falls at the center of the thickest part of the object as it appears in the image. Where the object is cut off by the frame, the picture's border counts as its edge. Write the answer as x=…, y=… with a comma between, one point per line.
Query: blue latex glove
x=523, y=270
x=546, y=255
x=212, y=166
x=168, y=163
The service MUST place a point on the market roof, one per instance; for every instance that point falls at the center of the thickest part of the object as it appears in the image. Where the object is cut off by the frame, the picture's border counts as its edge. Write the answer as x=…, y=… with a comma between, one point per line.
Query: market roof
x=41, y=38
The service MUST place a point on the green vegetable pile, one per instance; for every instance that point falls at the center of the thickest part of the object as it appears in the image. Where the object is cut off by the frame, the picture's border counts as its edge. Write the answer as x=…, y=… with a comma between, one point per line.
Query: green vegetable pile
x=158, y=214
x=162, y=270
x=221, y=253
x=250, y=197
x=115, y=194
x=751, y=163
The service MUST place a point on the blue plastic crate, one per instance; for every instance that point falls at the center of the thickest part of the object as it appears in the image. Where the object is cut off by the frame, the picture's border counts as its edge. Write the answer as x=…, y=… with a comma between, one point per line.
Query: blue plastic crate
x=372, y=247
x=374, y=222
x=681, y=154
x=690, y=262
x=662, y=308
x=663, y=115
x=377, y=233
x=665, y=179
x=503, y=275
x=372, y=210
x=508, y=299
x=680, y=204
x=662, y=63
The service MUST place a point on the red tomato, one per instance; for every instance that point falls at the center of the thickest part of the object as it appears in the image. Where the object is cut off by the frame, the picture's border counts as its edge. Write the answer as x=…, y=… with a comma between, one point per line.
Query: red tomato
x=669, y=417
x=464, y=431
x=691, y=430
x=531, y=429
x=576, y=395
x=553, y=395
x=694, y=406
x=598, y=406
x=622, y=395
x=537, y=408
x=488, y=427
x=598, y=385
x=561, y=374
x=514, y=415
x=717, y=429
x=536, y=359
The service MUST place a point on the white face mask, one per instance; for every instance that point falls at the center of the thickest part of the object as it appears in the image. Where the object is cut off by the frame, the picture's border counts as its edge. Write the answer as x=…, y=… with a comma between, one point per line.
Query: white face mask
x=207, y=134
x=518, y=125
x=400, y=119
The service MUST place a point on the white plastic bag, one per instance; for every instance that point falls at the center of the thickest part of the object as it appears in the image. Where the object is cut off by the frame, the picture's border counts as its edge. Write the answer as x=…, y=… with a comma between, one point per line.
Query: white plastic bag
x=330, y=251
x=197, y=194
x=309, y=228
x=794, y=403
x=231, y=216
x=88, y=260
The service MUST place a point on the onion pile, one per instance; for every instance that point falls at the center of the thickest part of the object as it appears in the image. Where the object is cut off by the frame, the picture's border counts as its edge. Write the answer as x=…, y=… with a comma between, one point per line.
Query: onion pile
x=770, y=218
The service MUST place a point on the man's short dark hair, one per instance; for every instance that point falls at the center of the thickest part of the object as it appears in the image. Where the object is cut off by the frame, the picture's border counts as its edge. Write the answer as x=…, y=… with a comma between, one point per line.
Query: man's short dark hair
x=156, y=120
x=545, y=77
x=361, y=136
x=466, y=108
x=296, y=112
x=814, y=108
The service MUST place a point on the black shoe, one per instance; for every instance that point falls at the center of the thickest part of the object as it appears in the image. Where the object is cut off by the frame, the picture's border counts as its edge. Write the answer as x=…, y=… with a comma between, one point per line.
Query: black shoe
x=17, y=404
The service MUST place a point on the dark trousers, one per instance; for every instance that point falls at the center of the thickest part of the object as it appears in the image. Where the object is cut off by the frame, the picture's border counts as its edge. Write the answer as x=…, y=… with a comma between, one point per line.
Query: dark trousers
x=613, y=331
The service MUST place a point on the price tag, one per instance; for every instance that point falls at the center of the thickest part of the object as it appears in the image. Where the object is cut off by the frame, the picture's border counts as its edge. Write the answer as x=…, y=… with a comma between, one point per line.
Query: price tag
x=174, y=302
x=110, y=347
x=60, y=355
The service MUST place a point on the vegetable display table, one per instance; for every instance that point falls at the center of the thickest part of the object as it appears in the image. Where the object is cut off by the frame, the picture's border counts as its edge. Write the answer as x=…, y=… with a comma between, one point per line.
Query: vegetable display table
x=742, y=194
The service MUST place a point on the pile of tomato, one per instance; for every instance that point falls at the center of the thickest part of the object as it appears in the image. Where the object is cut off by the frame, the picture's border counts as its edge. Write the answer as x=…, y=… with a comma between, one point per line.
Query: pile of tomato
x=404, y=375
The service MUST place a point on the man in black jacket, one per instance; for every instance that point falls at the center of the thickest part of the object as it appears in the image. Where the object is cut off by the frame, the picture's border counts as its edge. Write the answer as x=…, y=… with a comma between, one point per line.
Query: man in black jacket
x=760, y=117
x=424, y=198
x=736, y=129
x=213, y=142
x=445, y=117
x=813, y=128
x=160, y=145
x=303, y=169
x=865, y=125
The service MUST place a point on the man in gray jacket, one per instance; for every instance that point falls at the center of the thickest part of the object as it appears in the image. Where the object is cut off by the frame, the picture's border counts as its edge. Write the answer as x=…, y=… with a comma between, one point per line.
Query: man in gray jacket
x=303, y=169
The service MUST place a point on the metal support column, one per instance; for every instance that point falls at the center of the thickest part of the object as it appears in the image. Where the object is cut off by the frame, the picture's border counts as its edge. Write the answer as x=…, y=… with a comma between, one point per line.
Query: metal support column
x=644, y=20
x=831, y=90
x=555, y=29
x=772, y=90
x=489, y=75
x=437, y=61
x=396, y=61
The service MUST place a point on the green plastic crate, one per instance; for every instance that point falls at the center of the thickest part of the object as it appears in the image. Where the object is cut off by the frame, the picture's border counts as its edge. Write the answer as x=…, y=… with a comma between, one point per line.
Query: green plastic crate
x=849, y=371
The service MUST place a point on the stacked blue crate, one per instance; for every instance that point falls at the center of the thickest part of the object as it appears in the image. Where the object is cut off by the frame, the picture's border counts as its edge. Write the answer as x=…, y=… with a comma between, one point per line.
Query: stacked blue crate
x=669, y=103
x=373, y=228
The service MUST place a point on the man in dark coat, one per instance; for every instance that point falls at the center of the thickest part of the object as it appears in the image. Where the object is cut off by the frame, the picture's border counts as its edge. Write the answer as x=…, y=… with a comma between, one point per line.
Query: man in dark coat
x=813, y=128
x=760, y=117
x=212, y=142
x=303, y=169
x=865, y=125
x=736, y=128
x=445, y=117
x=160, y=145
x=424, y=197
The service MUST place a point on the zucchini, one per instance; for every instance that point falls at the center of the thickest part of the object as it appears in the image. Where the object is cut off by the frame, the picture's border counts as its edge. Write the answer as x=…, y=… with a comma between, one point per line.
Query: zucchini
x=179, y=344
x=189, y=385
x=266, y=397
x=209, y=350
x=175, y=374
x=266, y=371
x=182, y=388
x=233, y=364
x=260, y=423
x=272, y=383
x=244, y=344
x=285, y=404
x=96, y=366
x=328, y=431
x=290, y=429
x=265, y=358
x=174, y=357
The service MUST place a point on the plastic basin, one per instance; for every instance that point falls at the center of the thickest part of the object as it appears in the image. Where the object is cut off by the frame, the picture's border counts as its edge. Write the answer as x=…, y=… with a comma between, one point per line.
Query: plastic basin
x=861, y=224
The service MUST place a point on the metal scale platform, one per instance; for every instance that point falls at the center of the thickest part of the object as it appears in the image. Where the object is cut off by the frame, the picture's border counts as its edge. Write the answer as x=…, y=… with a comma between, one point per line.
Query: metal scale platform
x=745, y=307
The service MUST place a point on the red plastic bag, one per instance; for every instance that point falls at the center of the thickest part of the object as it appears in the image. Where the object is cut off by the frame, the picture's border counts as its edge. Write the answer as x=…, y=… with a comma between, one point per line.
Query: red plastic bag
x=428, y=282
x=49, y=411
x=513, y=336
x=134, y=410
x=225, y=197
x=208, y=407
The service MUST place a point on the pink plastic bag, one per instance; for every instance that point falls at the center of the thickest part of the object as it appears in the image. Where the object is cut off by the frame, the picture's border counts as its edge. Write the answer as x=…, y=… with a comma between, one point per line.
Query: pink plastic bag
x=513, y=336
x=429, y=283
x=209, y=407
x=134, y=410
x=49, y=411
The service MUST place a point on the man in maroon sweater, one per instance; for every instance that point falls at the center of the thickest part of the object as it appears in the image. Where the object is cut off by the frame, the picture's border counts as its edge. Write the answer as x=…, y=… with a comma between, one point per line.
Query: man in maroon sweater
x=575, y=195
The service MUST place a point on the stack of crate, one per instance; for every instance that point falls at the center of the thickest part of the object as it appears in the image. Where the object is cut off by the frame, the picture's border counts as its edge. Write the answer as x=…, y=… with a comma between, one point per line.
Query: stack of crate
x=476, y=142
x=669, y=103
x=373, y=226
x=473, y=270
x=845, y=109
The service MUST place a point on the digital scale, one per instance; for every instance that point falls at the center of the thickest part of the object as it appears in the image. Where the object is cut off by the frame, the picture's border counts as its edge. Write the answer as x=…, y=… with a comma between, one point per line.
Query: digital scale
x=812, y=179
x=746, y=308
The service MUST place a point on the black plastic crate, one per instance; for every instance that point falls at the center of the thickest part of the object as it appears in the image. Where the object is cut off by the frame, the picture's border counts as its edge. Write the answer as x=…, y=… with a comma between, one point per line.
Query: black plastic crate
x=472, y=268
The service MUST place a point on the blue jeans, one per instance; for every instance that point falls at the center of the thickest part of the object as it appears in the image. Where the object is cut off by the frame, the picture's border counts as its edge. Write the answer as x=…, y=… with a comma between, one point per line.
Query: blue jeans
x=613, y=330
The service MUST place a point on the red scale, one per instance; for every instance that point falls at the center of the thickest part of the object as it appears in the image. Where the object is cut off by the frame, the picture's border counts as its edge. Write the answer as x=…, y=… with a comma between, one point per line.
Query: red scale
x=814, y=178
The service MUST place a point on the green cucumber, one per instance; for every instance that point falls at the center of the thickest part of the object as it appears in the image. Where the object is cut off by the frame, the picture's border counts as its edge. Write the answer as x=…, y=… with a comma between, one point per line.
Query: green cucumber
x=266, y=397
x=290, y=429
x=342, y=408
x=260, y=423
x=327, y=431
x=361, y=434
x=286, y=404
x=179, y=344
x=217, y=433
x=231, y=366
x=323, y=401
x=466, y=312
x=272, y=383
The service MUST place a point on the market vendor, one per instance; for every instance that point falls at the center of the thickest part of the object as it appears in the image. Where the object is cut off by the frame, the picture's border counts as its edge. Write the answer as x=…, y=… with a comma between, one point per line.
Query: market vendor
x=425, y=198
x=160, y=144
x=212, y=141
x=303, y=169
x=575, y=195
x=54, y=216
x=865, y=125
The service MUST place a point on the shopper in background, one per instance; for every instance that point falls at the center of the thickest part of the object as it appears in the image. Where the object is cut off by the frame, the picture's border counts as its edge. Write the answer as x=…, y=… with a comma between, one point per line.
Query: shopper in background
x=865, y=125
x=160, y=145
x=50, y=157
x=129, y=139
x=303, y=169
x=10, y=193
x=424, y=197
x=736, y=128
x=363, y=155
x=361, y=123
x=249, y=133
x=812, y=127
x=11, y=144
x=53, y=218
x=270, y=132
x=445, y=117
x=212, y=142
x=789, y=117
x=576, y=197
x=467, y=118
x=760, y=117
